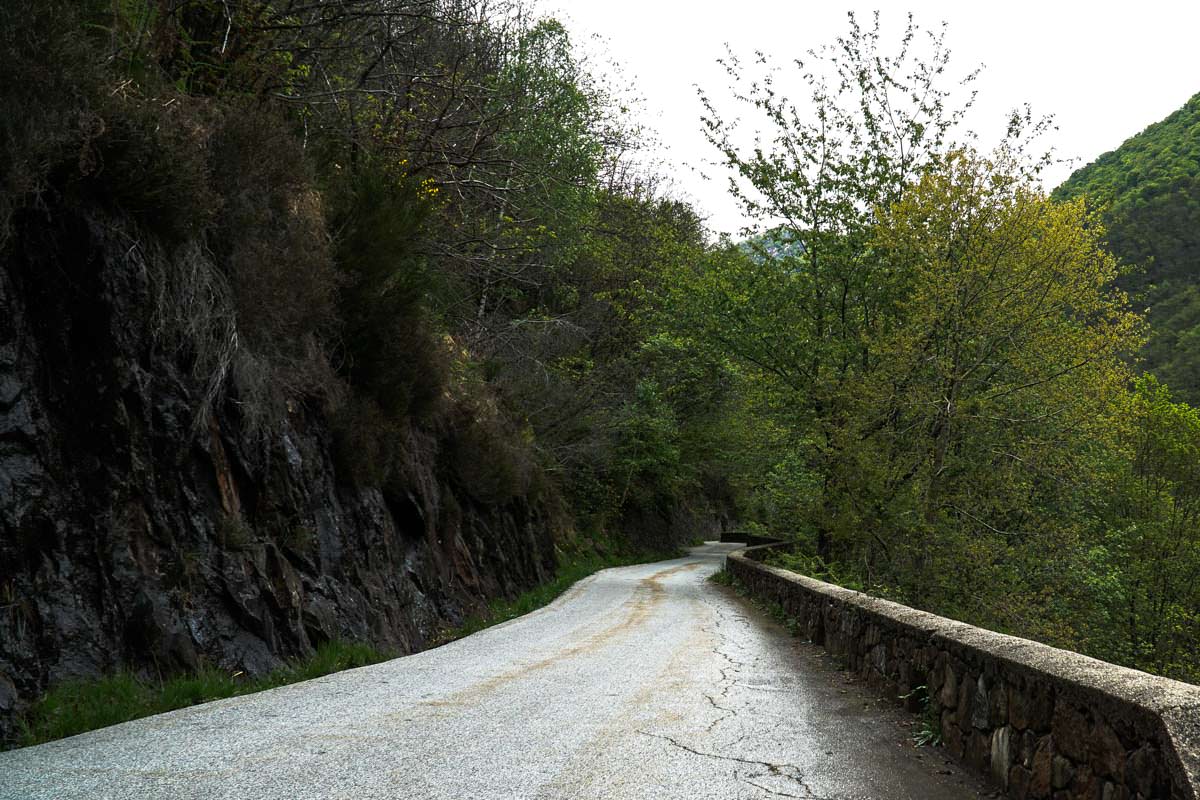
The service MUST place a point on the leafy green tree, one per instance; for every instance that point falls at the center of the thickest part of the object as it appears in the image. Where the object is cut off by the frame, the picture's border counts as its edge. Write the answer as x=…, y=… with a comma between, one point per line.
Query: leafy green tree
x=930, y=356
x=809, y=303
x=1001, y=366
x=1150, y=555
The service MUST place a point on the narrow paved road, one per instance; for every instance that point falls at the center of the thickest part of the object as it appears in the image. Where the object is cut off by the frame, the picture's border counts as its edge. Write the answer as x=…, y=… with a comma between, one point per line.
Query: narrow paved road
x=640, y=682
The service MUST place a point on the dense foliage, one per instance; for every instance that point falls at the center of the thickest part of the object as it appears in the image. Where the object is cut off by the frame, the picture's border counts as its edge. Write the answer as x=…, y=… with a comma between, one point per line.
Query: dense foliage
x=1149, y=189
x=931, y=361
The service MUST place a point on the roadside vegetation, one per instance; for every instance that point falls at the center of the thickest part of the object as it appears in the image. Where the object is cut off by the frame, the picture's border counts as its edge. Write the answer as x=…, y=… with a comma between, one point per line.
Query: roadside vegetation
x=76, y=707
x=79, y=706
x=934, y=361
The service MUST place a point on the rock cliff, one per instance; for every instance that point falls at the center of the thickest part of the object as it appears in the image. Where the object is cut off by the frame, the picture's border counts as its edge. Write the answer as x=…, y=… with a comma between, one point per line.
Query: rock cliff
x=138, y=532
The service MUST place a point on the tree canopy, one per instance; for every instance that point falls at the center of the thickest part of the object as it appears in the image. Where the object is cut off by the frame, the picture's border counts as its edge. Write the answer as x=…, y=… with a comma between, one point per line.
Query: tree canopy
x=931, y=360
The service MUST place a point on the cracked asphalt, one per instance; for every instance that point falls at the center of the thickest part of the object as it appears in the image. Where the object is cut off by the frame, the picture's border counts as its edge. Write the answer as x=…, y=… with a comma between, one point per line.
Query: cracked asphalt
x=640, y=682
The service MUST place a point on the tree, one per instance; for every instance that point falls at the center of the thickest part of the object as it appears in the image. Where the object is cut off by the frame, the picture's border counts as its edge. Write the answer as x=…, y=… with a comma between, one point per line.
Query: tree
x=1000, y=369
x=1150, y=553
x=932, y=352
x=805, y=315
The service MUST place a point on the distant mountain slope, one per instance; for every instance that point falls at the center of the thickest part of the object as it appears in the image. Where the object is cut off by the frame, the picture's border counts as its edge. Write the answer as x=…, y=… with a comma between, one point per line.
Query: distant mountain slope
x=1152, y=183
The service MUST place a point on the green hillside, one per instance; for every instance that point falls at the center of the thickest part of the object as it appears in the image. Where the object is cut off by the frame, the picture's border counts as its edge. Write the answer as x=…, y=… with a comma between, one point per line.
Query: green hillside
x=1152, y=186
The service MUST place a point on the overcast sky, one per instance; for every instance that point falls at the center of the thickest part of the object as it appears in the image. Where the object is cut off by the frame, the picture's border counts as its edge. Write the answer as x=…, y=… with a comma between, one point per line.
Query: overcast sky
x=1104, y=71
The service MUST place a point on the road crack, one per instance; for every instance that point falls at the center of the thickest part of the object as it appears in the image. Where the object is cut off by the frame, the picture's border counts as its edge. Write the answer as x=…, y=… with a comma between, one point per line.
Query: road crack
x=788, y=772
x=729, y=672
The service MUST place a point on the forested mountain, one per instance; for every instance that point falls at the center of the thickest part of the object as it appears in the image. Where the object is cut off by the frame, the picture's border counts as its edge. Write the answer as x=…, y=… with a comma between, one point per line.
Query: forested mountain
x=1150, y=190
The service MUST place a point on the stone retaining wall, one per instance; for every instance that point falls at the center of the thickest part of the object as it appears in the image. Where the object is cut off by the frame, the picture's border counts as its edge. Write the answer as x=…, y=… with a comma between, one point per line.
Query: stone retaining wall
x=1043, y=722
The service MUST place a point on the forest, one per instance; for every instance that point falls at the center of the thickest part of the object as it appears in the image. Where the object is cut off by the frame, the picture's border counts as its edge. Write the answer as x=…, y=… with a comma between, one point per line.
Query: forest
x=1147, y=192
x=423, y=218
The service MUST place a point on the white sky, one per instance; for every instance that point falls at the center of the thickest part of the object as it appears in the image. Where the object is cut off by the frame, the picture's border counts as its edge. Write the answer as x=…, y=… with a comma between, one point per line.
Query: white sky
x=1105, y=71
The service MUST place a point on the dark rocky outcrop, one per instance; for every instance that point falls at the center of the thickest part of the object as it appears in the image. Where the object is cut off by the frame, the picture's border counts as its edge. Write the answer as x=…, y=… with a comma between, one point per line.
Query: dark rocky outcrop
x=137, y=533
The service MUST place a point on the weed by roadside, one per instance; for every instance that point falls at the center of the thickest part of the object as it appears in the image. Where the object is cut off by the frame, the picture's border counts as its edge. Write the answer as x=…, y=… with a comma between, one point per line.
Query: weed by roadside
x=75, y=707
x=926, y=732
x=722, y=577
x=79, y=706
x=928, y=729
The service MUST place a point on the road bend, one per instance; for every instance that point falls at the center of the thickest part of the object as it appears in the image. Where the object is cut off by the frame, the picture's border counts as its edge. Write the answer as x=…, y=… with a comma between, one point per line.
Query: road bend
x=640, y=682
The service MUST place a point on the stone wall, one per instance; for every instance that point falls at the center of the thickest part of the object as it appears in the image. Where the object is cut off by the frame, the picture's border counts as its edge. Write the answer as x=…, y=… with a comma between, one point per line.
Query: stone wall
x=1043, y=722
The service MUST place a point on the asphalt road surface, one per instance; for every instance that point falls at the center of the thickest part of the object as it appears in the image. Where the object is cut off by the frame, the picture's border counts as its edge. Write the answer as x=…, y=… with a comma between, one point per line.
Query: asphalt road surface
x=640, y=682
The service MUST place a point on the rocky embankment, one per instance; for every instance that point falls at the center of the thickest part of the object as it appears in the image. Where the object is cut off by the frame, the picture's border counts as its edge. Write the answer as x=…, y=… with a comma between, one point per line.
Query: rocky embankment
x=138, y=532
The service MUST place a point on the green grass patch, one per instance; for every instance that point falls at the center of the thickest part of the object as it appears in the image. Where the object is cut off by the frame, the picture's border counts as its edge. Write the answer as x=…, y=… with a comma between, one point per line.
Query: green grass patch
x=78, y=706
x=569, y=573
x=723, y=577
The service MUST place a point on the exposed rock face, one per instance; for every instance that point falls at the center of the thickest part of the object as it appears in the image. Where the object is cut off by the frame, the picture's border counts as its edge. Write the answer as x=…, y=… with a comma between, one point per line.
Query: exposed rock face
x=131, y=536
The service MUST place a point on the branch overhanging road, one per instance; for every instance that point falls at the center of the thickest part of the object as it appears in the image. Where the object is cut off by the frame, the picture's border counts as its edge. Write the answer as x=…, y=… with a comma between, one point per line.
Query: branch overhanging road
x=640, y=682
